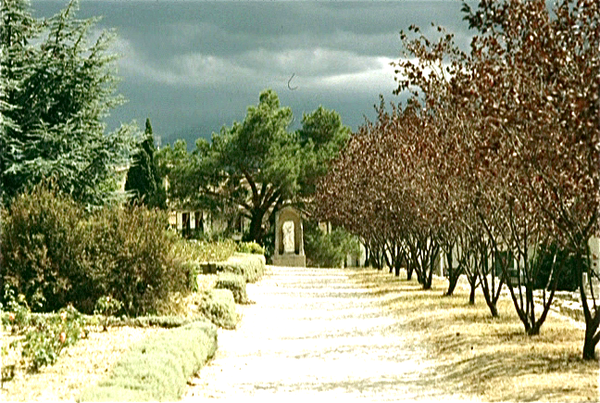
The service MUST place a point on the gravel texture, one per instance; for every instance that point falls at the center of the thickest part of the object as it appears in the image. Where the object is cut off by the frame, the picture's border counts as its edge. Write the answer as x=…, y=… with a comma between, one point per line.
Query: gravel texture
x=313, y=334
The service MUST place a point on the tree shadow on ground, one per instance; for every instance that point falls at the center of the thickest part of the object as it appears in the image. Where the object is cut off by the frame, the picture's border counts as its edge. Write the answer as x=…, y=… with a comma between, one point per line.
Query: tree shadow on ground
x=556, y=375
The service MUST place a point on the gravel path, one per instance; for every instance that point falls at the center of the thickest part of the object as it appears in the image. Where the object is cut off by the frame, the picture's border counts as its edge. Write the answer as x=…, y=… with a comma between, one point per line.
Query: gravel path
x=313, y=334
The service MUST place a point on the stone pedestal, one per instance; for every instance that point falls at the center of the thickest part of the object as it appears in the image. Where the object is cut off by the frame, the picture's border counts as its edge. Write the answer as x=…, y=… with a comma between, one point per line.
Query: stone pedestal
x=289, y=260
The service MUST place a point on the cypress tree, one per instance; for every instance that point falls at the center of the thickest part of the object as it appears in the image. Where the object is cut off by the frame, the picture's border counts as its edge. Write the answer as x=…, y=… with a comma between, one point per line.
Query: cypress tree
x=143, y=180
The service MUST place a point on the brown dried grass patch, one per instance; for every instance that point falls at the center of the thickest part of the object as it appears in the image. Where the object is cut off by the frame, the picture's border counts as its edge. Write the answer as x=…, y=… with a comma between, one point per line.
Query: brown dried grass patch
x=491, y=359
x=82, y=365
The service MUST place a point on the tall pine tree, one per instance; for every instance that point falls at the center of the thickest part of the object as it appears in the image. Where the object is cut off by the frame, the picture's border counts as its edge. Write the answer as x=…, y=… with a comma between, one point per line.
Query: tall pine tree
x=58, y=86
x=143, y=179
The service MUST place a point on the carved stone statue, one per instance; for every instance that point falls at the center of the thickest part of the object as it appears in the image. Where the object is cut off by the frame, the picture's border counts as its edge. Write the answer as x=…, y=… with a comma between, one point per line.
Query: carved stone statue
x=288, y=237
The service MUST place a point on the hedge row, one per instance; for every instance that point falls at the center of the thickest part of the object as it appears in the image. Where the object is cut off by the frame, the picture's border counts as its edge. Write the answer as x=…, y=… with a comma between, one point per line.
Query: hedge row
x=250, y=266
x=234, y=283
x=218, y=306
x=158, y=368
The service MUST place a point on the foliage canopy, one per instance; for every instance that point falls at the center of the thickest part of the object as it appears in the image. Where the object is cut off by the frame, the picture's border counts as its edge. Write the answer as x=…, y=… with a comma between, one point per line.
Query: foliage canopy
x=252, y=167
x=57, y=84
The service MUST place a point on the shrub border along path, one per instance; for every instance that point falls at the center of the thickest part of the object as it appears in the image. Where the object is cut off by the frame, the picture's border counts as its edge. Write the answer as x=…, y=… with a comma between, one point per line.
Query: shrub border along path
x=112, y=354
x=250, y=266
x=159, y=367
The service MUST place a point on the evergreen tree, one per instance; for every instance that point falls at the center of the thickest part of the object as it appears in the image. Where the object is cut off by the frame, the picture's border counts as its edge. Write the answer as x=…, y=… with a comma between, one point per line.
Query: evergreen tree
x=322, y=136
x=57, y=89
x=254, y=166
x=143, y=179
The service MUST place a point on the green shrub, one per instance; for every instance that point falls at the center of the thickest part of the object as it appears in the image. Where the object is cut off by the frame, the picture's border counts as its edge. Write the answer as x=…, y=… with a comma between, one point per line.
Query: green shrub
x=56, y=254
x=234, y=283
x=202, y=251
x=107, y=307
x=328, y=250
x=153, y=321
x=218, y=306
x=250, y=247
x=192, y=255
x=252, y=267
x=132, y=258
x=158, y=368
x=17, y=315
x=44, y=338
x=45, y=342
x=192, y=270
x=44, y=257
x=37, y=319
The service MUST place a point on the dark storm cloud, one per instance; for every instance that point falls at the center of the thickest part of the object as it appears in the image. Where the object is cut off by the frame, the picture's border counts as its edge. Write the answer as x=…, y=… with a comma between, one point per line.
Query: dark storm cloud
x=193, y=66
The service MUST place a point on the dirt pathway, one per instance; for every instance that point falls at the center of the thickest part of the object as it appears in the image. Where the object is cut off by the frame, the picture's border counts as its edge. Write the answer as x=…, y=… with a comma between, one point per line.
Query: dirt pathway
x=313, y=334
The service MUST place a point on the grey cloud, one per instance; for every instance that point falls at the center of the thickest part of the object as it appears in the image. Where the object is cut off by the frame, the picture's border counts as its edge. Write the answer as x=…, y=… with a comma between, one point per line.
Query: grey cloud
x=193, y=66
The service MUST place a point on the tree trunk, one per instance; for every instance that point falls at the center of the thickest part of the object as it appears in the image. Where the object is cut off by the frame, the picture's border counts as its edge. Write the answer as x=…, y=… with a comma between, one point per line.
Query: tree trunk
x=427, y=274
x=453, y=277
x=472, y=295
x=255, y=234
x=421, y=276
x=380, y=259
x=493, y=308
x=589, y=346
x=535, y=329
x=409, y=271
x=429, y=279
x=397, y=267
x=592, y=316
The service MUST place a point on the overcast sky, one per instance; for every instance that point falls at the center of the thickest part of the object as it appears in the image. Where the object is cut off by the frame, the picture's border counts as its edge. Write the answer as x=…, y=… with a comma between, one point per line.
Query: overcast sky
x=194, y=66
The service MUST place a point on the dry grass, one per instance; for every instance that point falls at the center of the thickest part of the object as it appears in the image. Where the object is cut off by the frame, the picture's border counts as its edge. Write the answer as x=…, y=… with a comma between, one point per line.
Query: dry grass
x=489, y=358
x=89, y=360
x=82, y=365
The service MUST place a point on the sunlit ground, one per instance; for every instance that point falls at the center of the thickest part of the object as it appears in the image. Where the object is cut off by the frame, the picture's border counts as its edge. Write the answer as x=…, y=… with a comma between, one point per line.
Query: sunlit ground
x=491, y=358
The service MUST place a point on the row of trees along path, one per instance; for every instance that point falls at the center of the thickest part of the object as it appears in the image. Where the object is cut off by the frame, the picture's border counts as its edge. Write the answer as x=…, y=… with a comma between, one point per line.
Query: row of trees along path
x=493, y=161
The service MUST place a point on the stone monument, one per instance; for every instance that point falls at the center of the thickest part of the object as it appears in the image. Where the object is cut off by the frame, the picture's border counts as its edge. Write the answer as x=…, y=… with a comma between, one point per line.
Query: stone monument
x=289, y=239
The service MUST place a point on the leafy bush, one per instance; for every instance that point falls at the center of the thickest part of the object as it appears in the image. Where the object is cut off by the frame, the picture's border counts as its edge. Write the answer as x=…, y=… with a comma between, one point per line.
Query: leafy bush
x=153, y=321
x=193, y=270
x=18, y=315
x=234, y=283
x=158, y=368
x=218, y=306
x=45, y=337
x=107, y=307
x=202, y=251
x=132, y=258
x=193, y=255
x=250, y=247
x=44, y=255
x=45, y=342
x=328, y=250
x=55, y=254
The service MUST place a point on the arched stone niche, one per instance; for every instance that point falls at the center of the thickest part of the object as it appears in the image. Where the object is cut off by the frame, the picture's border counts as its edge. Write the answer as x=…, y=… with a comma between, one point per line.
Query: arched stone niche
x=289, y=238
